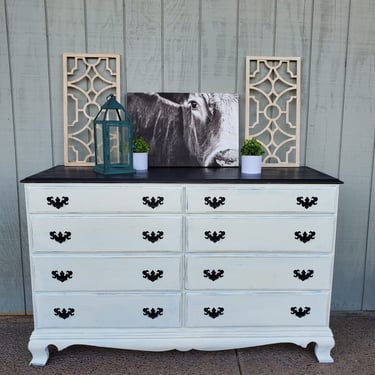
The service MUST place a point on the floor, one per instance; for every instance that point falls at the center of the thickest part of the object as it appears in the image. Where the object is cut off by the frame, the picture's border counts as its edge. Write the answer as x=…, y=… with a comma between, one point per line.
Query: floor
x=354, y=353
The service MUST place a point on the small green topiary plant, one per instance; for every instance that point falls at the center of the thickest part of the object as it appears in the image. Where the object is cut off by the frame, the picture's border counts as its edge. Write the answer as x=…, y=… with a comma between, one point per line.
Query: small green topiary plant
x=252, y=147
x=140, y=145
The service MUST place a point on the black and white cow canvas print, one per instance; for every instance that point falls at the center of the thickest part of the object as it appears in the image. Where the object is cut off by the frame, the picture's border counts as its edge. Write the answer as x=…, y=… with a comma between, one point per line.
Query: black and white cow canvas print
x=187, y=129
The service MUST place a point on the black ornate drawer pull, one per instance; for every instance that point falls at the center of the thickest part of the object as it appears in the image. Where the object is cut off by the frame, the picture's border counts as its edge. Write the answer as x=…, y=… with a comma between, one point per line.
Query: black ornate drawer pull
x=303, y=275
x=153, y=237
x=153, y=313
x=62, y=276
x=153, y=202
x=213, y=312
x=214, y=202
x=307, y=202
x=214, y=236
x=57, y=202
x=64, y=313
x=213, y=275
x=304, y=237
x=152, y=275
x=60, y=237
x=300, y=312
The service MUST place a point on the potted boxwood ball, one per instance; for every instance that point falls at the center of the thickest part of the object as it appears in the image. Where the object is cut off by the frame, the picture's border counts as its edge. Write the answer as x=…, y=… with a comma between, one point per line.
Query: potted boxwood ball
x=140, y=154
x=251, y=156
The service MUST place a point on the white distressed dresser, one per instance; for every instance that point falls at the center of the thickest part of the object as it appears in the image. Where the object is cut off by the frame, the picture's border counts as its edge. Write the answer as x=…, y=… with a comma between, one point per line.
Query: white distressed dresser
x=181, y=258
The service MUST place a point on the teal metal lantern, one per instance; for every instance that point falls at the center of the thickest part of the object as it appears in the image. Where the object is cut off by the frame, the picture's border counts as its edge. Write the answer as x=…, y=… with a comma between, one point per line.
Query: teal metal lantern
x=113, y=138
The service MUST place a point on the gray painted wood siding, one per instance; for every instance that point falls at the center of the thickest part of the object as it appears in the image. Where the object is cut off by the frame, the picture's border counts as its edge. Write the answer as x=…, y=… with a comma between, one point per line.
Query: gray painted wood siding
x=195, y=45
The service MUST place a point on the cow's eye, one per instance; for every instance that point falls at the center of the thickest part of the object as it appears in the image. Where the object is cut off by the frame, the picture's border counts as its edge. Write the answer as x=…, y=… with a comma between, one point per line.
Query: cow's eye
x=193, y=104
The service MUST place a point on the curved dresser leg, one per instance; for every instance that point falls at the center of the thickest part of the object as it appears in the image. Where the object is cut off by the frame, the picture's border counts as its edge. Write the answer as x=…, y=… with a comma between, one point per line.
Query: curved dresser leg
x=323, y=350
x=39, y=352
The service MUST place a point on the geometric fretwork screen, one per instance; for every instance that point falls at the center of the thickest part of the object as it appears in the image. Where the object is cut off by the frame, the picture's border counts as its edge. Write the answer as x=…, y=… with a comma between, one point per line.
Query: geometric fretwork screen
x=88, y=79
x=272, y=107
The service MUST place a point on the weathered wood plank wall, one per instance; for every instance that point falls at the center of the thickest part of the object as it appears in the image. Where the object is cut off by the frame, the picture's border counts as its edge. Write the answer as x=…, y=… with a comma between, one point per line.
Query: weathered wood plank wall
x=196, y=45
x=357, y=162
x=11, y=282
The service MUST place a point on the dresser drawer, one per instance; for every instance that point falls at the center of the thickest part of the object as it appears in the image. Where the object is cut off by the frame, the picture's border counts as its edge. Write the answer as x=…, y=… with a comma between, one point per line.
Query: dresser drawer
x=105, y=233
x=258, y=273
x=262, y=198
x=104, y=198
x=107, y=310
x=260, y=233
x=106, y=273
x=256, y=309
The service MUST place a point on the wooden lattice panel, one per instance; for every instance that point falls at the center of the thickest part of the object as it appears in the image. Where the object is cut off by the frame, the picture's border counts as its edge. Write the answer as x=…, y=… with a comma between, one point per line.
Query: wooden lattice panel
x=272, y=112
x=88, y=80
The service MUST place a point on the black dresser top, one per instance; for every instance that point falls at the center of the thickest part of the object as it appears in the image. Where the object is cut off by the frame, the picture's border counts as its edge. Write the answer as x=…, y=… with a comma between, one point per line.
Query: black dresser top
x=269, y=175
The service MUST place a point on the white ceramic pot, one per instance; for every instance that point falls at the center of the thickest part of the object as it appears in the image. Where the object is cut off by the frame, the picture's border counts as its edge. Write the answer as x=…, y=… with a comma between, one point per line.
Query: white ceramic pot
x=251, y=164
x=140, y=161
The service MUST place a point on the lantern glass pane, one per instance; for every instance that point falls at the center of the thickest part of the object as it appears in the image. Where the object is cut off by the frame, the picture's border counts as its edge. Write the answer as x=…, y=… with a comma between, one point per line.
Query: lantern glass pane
x=120, y=147
x=112, y=115
x=101, y=115
x=99, y=144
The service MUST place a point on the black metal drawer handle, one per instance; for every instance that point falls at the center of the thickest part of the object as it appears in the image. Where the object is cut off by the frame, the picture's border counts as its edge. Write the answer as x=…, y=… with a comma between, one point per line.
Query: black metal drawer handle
x=152, y=275
x=64, y=313
x=153, y=202
x=307, y=202
x=303, y=275
x=153, y=237
x=57, y=202
x=214, y=202
x=304, y=237
x=60, y=237
x=62, y=276
x=213, y=312
x=214, y=236
x=153, y=313
x=213, y=275
x=300, y=312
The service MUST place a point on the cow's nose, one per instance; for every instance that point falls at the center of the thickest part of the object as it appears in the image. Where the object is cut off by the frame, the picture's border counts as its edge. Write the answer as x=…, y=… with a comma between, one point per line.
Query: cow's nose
x=225, y=158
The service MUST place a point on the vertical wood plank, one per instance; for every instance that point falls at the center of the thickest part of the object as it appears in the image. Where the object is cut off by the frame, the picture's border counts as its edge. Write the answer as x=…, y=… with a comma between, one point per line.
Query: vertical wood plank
x=219, y=46
x=255, y=38
x=181, y=45
x=105, y=32
x=143, y=52
x=30, y=84
x=30, y=87
x=293, y=38
x=327, y=78
x=356, y=162
x=11, y=278
x=369, y=281
x=66, y=33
